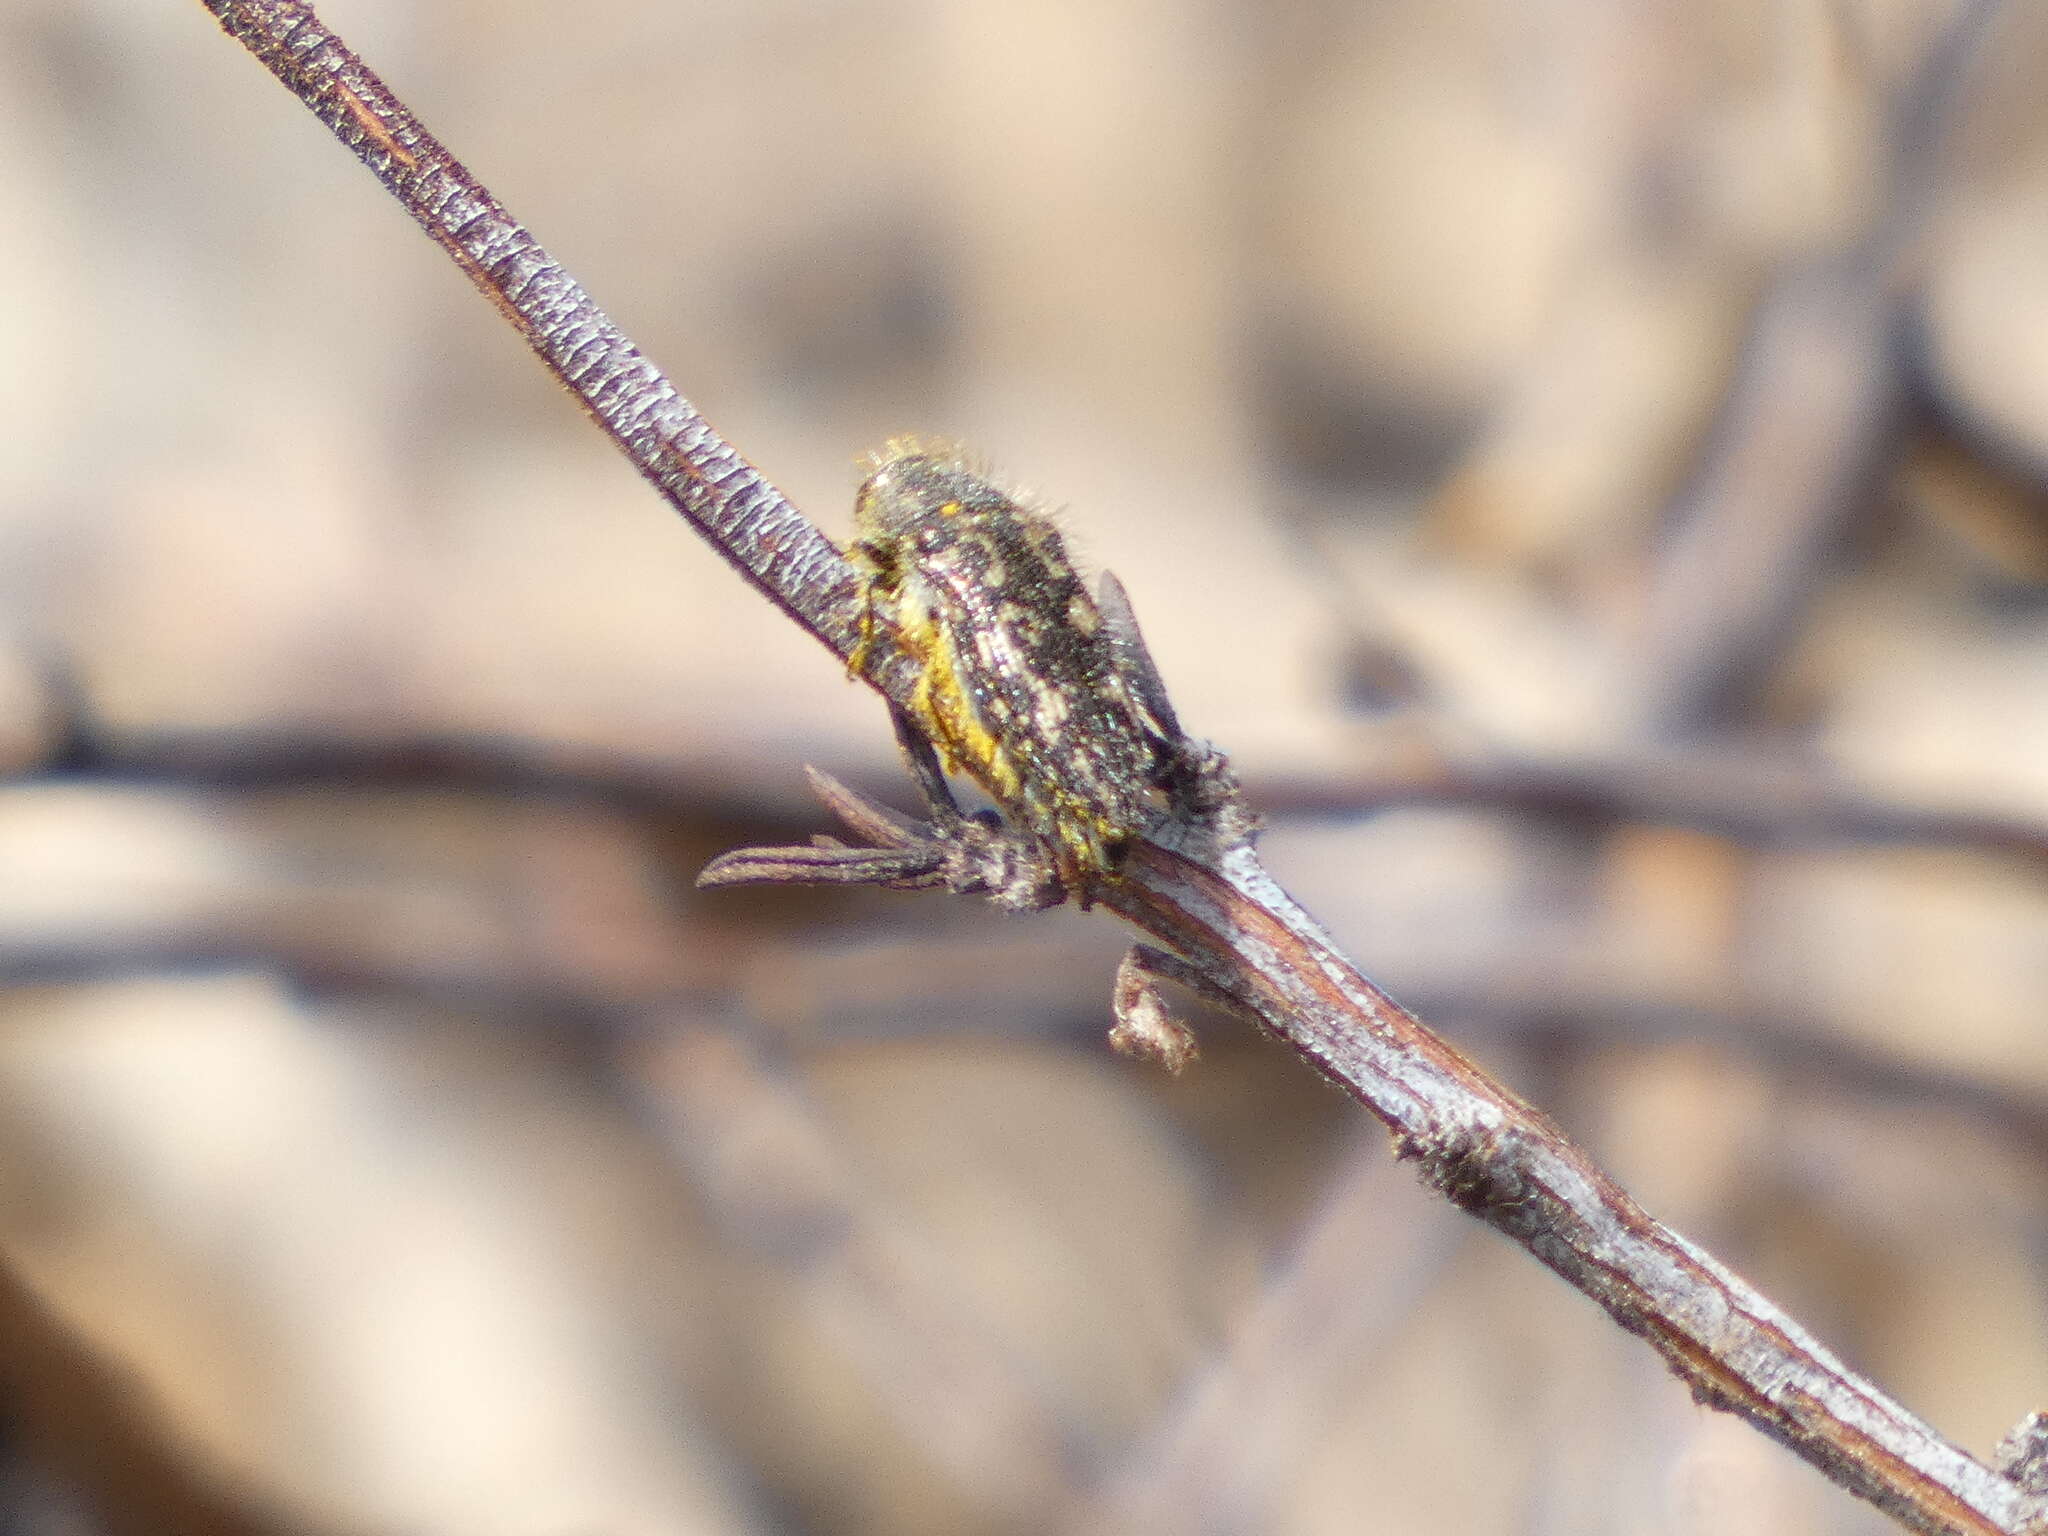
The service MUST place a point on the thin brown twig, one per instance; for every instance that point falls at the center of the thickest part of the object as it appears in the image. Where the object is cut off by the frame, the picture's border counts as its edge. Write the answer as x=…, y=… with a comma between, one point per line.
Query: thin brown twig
x=1504, y=1162
x=727, y=500
x=1197, y=885
x=1758, y=797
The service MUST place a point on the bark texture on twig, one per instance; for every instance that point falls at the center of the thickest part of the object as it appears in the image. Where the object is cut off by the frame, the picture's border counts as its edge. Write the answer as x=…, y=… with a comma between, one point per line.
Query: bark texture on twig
x=1499, y=1158
x=1198, y=886
x=701, y=475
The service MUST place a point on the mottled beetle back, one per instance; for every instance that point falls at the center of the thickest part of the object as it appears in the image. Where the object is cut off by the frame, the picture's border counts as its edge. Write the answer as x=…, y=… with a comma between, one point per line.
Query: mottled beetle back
x=1019, y=683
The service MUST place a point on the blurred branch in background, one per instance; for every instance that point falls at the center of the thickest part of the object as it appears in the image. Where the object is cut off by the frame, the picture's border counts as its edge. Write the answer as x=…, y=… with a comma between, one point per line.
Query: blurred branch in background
x=435, y=744
x=1815, y=404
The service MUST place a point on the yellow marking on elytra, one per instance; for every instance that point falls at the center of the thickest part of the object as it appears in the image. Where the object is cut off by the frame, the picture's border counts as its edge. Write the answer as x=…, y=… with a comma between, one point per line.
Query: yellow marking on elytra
x=939, y=700
x=1012, y=682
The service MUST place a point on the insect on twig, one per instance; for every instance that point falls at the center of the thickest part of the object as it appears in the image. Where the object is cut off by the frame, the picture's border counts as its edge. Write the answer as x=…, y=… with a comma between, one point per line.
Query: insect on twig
x=1041, y=692
x=1127, y=812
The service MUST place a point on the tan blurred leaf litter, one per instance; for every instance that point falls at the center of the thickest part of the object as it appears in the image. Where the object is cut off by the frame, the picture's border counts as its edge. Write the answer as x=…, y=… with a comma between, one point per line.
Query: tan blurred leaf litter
x=1563, y=455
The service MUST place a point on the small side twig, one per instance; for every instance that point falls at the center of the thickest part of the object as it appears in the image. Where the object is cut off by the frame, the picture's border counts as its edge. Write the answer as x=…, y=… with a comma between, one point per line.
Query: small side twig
x=1193, y=883
x=972, y=856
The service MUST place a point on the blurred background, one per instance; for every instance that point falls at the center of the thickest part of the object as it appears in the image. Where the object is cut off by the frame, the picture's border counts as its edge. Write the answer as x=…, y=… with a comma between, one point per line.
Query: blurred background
x=1586, y=461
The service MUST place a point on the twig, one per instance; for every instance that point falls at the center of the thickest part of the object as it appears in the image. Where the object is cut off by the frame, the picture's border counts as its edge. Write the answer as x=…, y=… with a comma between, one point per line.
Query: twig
x=1498, y=1158
x=1753, y=796
x=1197, y=885
x=702, y=476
